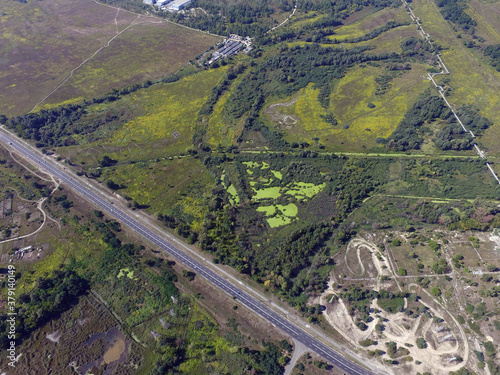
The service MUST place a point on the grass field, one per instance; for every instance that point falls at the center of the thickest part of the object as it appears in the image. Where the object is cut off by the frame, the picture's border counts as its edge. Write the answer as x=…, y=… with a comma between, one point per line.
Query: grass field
x=169, y=108
x=370, y=22
x=221, y=128
x=301, y=117
x=388, y=41
x=473, y=81
x=156, y=113
x=349, y=104
x=41, y=42
x=486, y=16
x=164, y=185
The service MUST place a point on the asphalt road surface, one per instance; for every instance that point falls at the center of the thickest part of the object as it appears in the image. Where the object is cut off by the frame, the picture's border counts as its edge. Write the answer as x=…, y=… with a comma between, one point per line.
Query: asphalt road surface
x=250, y=302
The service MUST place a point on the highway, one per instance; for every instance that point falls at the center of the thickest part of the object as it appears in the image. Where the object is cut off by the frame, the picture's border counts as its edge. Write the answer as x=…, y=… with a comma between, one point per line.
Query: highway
x=230, y=288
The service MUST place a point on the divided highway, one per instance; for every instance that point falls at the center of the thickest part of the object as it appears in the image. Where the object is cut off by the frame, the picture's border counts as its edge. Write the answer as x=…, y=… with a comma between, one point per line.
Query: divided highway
x=250, y=302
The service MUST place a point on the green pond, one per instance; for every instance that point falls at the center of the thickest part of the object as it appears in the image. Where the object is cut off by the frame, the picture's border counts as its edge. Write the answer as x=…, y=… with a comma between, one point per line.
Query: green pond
x=270, y=192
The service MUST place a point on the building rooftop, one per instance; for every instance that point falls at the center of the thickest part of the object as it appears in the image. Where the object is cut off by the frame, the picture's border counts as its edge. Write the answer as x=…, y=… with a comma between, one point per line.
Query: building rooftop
x=177, y=4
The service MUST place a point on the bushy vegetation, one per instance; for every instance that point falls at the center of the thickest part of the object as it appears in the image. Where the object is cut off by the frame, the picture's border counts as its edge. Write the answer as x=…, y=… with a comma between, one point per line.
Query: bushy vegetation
x=359, y=300
x=416, y=48
x=452, y=137
x=493, y=52
x=293, y=69
x=241, y=19
x=408, y=134
x=255, y=19
x=56, y=126
x=49, y=127
x=52, y=295
x=454, y=11
x=411, y=131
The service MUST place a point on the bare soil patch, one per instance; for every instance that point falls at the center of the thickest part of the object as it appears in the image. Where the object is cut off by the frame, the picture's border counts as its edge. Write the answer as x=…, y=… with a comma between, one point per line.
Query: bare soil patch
x=430, y=320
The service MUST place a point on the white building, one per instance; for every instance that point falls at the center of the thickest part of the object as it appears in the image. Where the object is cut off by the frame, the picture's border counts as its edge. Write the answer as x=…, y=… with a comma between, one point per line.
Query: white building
x=179, y=4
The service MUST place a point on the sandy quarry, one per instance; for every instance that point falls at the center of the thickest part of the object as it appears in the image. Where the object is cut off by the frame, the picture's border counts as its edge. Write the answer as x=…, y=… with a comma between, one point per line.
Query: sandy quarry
x=445, y=340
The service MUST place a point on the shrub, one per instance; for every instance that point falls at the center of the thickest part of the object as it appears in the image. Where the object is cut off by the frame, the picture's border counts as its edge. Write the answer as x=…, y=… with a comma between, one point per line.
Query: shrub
x=367, y=342
x=421, y=343
x=435, y=291
x=362, y=326
x=396, y=242
x=392, y=348
x=489, y=349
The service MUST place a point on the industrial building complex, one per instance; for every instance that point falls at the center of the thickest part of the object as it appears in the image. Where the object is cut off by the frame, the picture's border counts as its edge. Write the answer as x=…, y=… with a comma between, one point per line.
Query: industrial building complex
x=169, y=5
x=231, y=46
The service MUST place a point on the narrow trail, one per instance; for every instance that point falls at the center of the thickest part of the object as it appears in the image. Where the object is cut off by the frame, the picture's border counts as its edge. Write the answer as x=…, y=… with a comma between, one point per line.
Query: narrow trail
x=396, y=331
x=286, y=20
x=29, y=170
x=39, y=204
x=298, y=350
x=440, y=89
x=45, y=217
x=32, y=201
x=360, y=262
x=116, y=21
x=455, y=321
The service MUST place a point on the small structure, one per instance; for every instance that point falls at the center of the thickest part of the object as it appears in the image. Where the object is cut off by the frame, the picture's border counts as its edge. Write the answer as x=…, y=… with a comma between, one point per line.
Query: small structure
x=21, y=252
x=148, y=2
x=177, y=5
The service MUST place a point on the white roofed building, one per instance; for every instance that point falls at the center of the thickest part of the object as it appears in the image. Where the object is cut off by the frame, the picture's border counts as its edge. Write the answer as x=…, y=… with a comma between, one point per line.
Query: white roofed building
x=178, y=4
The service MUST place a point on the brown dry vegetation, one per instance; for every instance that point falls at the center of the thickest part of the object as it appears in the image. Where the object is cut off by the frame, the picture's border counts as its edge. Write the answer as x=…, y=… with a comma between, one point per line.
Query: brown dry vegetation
x=42, y=41
x=86, y=337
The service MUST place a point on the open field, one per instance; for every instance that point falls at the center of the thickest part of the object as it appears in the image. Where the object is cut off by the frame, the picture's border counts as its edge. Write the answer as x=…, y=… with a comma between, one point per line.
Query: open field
x=369, y=22
x=169, y=109
x=388, y=41
x=487, y=16
x=473, y=81
x=182, y=184
x=220, y=129
x=42, y=42
x=151, y=123
x=300, y=116
x=320, y=230
x=409, y=256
